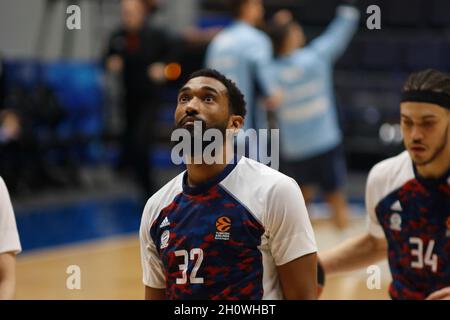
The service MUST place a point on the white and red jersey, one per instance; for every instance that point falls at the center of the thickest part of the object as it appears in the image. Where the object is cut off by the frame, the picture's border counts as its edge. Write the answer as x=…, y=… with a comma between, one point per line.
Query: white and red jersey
x=9, y=237
x=225, y=238
x=413, y=213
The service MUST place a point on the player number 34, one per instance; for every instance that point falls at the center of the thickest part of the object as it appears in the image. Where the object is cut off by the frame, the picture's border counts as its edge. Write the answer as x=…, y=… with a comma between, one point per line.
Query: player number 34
x=427, y=259
x=196, y=255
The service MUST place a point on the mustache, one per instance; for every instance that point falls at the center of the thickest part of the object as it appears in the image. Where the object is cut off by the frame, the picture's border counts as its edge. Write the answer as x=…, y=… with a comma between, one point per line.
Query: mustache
x=187, y=118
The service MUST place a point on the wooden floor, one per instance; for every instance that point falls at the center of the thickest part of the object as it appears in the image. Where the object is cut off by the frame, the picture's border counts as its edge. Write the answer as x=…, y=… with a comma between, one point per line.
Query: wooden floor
x=110, y=269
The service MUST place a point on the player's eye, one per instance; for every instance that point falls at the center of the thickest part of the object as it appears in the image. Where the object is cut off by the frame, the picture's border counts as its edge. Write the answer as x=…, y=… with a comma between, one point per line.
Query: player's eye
x=428, y=124
x=407, y=124
x=183, y=98
x=209, y=99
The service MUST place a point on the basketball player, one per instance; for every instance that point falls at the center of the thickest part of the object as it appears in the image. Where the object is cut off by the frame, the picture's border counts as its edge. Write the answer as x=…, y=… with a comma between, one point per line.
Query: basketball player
x=237, y=230
x=9, y=245
x=408, y=199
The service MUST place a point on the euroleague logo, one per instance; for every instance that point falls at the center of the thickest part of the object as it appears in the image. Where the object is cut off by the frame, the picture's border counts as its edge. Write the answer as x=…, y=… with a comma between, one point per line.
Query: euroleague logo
x=223, y=226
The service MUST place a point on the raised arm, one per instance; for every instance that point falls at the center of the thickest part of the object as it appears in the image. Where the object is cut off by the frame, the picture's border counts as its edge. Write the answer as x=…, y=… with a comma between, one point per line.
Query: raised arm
x=335, y=39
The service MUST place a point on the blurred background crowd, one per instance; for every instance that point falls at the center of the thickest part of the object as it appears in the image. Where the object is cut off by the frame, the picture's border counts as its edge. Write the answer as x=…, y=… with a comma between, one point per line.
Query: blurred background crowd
x=87, y=113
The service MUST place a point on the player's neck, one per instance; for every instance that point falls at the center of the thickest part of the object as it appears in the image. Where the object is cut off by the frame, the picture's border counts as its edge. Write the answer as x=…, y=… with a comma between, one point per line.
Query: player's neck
x=436, y=168
x=200, y=173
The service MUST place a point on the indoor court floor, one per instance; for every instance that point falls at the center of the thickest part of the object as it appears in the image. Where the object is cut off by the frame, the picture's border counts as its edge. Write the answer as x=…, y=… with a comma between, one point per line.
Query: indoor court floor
x=110, y=269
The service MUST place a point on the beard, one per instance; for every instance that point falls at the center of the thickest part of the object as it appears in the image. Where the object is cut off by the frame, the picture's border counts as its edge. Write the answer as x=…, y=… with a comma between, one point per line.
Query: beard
x=436, y=153
x=196, y=134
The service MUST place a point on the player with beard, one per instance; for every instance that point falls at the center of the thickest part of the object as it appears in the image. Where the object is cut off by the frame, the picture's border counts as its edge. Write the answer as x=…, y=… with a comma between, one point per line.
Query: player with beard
x=408, y=199
x=226, y=230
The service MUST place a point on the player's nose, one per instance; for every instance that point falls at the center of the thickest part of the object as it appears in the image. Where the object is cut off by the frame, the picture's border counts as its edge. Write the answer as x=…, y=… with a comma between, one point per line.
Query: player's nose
x=416, y=134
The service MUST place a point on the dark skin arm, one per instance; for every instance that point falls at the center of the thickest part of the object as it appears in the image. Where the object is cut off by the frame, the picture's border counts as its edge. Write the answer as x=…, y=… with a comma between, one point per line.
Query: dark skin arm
x=299, y=278
x=154, y=294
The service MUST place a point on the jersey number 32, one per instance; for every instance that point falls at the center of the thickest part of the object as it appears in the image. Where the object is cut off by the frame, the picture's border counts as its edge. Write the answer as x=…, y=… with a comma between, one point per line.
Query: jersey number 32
x=195, y=253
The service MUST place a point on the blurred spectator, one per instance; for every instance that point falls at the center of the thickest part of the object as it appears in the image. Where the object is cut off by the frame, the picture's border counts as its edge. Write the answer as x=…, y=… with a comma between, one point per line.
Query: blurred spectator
x=29, y=121
x=309, y=130
x=139, y=51
x=242, y=53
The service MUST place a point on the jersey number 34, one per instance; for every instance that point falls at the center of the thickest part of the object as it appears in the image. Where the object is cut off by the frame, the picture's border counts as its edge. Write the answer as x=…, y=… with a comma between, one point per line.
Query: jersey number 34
x=421, y=259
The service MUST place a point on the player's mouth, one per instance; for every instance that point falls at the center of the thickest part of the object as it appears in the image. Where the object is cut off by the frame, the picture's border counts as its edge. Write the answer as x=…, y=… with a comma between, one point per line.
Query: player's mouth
x=417, y=150
x=188, y=121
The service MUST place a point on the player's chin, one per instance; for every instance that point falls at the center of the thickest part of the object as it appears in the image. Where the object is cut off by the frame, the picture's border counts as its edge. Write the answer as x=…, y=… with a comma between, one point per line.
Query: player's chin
x=418, y=153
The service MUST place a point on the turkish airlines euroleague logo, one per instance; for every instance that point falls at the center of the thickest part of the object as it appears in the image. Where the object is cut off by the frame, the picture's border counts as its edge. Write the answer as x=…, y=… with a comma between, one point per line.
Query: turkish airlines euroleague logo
x=223, y=226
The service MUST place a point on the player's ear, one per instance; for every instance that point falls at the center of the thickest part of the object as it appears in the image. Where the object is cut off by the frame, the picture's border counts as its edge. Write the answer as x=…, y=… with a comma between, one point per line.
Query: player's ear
x=236, y=122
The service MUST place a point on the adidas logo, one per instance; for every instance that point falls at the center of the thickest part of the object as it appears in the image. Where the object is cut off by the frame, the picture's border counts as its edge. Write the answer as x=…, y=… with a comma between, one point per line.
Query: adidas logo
x=396, y=206
x=165, y=223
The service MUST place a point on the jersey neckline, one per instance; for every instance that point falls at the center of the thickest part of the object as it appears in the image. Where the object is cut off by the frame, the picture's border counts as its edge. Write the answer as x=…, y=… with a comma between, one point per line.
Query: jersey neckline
x=203, y=187
x=431, y=181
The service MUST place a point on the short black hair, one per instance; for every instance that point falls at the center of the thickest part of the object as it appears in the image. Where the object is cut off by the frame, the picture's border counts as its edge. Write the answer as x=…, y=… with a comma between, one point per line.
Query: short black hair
x=428, y=80
x=235, y=97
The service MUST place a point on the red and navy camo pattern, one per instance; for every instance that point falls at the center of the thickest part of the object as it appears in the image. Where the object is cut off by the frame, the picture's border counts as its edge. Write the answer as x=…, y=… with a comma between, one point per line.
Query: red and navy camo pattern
x=425, y=214
x=231, y=269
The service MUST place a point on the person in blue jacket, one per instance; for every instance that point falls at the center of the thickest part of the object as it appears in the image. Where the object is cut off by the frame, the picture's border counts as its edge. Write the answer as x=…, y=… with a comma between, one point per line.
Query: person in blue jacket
x=242, y=52
x=310, y=136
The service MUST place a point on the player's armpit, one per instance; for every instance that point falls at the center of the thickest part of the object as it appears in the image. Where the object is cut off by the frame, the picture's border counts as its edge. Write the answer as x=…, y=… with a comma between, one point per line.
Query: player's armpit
x=443, y=294
x=154, y=294
x=299, y=278
x=7, y=275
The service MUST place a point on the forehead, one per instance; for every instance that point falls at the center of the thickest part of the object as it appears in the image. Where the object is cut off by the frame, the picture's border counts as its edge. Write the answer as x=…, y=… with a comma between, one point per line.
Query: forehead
x=421, y=109
x=203, y=83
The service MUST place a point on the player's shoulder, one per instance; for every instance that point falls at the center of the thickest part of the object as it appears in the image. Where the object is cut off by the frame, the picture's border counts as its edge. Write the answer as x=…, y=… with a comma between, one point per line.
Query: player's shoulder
x=394, y=170
x=261, y=176
x=256, y=186
x=3, y=188
x=163, y=197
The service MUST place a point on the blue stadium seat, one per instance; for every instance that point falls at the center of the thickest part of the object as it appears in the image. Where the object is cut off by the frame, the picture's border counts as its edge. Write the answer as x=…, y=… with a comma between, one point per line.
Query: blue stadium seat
x=382, y=54
x=78, y=86
x=216, y=20
x=423, y=53
x=160, y=157
x=21, y=73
